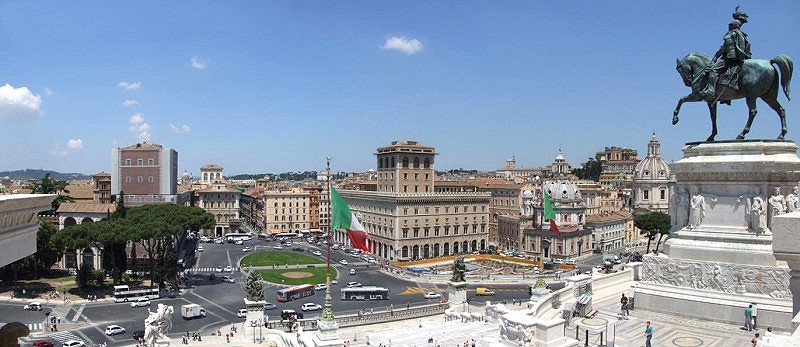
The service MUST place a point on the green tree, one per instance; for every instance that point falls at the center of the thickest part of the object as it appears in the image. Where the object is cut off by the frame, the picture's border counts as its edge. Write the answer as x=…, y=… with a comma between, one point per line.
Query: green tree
x=590, y=170
x=48, y=185
x=652, y=224
x=84, y=275
x=48, y=250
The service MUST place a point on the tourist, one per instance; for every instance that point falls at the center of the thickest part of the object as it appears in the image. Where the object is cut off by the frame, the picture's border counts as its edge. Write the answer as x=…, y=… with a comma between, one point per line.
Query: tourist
x=748, y=318
x=648, y=333
x=624, y=306
x=754, y=341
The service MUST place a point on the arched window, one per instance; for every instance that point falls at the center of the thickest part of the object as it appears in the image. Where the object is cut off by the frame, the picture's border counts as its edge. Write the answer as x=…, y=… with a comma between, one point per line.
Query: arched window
x=405, y=161
x=427, y=163
x=416, y=162
x=392, y=162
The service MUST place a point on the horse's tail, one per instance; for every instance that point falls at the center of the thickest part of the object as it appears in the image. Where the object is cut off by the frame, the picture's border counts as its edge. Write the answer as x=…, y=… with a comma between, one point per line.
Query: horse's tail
x=786, y=66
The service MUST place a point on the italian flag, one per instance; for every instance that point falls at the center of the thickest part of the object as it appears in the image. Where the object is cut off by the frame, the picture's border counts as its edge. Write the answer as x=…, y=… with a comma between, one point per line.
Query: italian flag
x=550, y=213
x=343, y=219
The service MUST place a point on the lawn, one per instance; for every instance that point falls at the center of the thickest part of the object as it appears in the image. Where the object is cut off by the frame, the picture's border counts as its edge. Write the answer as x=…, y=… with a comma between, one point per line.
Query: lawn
x=312, y=275
x=278, y=258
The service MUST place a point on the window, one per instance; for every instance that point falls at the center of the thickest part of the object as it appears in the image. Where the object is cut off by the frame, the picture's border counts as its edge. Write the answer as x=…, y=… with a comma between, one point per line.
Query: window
x=416, y=232
x=127, y=162
x=427, y=164
x=140, y=179
x=140, y=162
x=128, y=179
x=645, y=195
x=405, y=233
x=151, y=162
x=416, y=162
x=663, y=194
x=150, y=179
x=405, y=161
x=436, y=231
x=426, y=232
x=446, y=230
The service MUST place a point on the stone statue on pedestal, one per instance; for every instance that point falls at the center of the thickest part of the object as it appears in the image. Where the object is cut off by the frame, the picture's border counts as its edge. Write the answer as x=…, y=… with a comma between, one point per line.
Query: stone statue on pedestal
x=459, y=269
x=777, y=203
x=156, y=326
x=793, y=200
x=253, y=286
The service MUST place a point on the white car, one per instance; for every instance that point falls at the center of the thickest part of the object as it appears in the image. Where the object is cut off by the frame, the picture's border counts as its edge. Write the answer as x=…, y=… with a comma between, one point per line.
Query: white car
x=242, y=313
x=246, y=249
x=352, y=271
x=228, y=279
x=219, y=241
x=141, y=302
x=277, y=247
x=240, y=242
x=228, y=269
x=321, y=286
x=432, y=295
x=114, y=330
x=218, y=269
x=73, y=343
x=34, y=306
x=353, y=284
x=310, y=306
x=343, y=261
x=317, y=253
x=200, y=248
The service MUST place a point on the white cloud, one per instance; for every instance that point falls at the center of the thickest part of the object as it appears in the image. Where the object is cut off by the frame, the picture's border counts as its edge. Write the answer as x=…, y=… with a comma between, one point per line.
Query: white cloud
x=407, y=46
x=198, y=63
x=129, y=103
x=139, y=127
x=75, y=144
x=182, y=129
x=19, y=104
x=48, y=91
x=129, y=85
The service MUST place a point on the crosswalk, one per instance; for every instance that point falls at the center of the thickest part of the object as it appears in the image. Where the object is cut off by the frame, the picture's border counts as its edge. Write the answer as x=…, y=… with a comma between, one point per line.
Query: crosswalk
x=206, y=269
x=63, y=336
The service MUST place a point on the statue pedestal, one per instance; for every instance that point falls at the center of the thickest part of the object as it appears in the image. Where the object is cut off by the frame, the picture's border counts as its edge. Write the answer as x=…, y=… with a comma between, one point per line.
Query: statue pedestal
x=457, y=296
x=163, y=341
x=718, y=260
x=255, y=320
x=327, y=334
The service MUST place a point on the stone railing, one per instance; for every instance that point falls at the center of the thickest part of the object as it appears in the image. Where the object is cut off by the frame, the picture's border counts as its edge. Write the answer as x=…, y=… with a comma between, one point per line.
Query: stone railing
x=349, y=320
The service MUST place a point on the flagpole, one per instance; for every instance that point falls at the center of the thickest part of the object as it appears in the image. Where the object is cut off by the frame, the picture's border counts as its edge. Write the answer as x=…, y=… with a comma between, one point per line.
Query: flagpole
x=327, y=310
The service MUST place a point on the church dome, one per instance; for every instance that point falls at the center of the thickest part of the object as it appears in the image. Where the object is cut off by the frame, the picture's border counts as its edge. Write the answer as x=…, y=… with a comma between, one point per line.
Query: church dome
x=186, y=175
x=563, y=191
x=527, y=194
x=652, y=167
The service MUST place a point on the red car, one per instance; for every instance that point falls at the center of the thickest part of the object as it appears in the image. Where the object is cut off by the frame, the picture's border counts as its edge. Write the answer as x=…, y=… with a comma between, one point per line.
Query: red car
x=42, y=343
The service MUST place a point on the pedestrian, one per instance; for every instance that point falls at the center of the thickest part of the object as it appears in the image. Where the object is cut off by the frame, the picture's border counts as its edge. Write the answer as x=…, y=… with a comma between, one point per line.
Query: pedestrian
x=408, y=305
x=748, y=318
x=624, y=306
x=755, y=314
x=648, y=333
x=754, y=341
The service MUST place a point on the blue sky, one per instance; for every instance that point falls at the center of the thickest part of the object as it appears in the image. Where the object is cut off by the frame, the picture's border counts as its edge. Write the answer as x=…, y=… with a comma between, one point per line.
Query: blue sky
x=273, y=86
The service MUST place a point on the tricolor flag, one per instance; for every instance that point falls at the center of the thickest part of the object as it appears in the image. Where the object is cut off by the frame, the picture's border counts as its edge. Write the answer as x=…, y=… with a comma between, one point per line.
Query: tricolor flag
x=343, y=218
x=550, y=213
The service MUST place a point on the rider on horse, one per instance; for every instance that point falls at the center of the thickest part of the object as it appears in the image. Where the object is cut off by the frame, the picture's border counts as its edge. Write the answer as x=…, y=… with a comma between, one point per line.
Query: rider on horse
x=735, y=49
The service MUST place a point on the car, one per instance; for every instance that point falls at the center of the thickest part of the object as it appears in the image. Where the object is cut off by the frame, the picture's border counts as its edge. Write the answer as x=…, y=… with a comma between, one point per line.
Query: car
x=138, y=334
x=228, y=269
x=73, y=343
x=34, y=306
x=270, y=306
x=343, y=261
x=200, y=248
x=353, y=284
x=371, y=260
x=288, y=243
x=219, y=241
x=432, y=295
x=321, y=286
x=570, y=262
x=114, y=330
x=228, y=279
x=352, y=271
x=246, y=249
x=317, y=253
x=310, y=306
x=334, y=281
x=141, y=302
x=242, y=313
x=42, y=343
x=277, y=247
x=240, y=242
x=218, y=269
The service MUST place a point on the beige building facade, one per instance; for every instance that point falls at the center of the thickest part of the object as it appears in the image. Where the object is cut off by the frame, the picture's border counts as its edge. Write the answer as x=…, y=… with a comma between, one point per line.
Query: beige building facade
x=406, y=219
x=287, y=210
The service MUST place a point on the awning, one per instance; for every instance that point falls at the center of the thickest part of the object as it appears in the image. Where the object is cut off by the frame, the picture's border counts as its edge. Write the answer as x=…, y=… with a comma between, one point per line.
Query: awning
x=274, y=231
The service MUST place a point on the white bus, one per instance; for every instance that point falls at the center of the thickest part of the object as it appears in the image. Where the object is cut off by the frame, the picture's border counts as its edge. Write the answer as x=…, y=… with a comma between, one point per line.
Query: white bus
x=233, y=237
x=287, y=235
x=365, y=293
x=123, y=293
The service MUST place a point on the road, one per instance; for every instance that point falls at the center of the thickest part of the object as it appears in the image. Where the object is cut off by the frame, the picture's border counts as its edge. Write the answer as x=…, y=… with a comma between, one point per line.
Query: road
x=222, y=300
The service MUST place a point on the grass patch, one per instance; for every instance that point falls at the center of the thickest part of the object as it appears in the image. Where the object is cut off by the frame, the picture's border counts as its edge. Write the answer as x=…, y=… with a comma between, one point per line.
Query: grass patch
x=278, y=258
x=277, y=276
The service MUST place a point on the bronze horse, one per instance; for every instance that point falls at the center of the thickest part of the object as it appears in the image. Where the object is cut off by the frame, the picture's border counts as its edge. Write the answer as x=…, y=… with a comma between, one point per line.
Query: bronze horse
x=757, y=79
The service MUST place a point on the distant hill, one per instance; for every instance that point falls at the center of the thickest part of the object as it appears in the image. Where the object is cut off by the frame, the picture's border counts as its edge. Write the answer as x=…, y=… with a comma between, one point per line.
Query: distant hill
x=32, y=174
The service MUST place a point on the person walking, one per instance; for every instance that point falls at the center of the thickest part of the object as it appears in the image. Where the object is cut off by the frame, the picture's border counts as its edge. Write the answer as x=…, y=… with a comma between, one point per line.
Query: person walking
x=754, y=341
x=755, y=316
x=748, y=318
x=623, y=302
x=648, y=333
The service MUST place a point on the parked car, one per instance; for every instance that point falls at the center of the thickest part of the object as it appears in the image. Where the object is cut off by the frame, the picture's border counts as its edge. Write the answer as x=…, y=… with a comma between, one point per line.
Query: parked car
x=242, y=313
x=270, y=306
x=432, y=295
x=321, y=286
x=317, y=253
x=310, y=306
x=352, y=271
x=42, y=343
x=218, y=269
x=219, y=241
x=114, y=330
x=353, y=284
x=141, y=302
x=200, y=248
x=73, y=343
x=343, y=261
x=277, y=247
x=228, y=279
x=246, y=249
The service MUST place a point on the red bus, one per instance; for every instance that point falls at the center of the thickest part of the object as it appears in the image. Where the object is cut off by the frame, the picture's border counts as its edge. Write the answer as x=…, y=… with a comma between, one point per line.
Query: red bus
x=294, y=293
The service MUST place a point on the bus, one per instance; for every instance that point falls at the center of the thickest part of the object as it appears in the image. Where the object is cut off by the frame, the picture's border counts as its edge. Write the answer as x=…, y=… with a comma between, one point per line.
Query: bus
x=287, y=235
x=233, y=237
x=365, y=293
x=124, y=293
x=294, y=293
